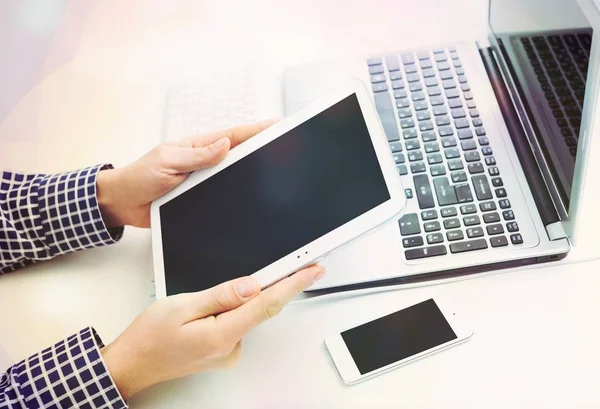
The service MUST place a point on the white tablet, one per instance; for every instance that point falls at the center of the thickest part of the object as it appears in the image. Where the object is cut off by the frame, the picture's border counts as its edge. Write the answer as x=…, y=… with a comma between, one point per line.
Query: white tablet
x=280, y=201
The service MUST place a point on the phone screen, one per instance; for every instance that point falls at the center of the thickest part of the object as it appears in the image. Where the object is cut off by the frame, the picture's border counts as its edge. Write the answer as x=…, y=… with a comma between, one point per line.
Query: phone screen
x=397, y=336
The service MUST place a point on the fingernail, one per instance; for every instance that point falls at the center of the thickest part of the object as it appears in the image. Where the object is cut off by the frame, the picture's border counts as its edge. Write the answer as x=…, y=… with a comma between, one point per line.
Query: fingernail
x=219, y=144
x=247, y=287
x=320, y=274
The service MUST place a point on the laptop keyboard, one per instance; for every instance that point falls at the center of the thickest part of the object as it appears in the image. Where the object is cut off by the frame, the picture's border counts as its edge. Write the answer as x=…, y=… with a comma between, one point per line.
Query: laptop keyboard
x=560, y=63
x=440, y=147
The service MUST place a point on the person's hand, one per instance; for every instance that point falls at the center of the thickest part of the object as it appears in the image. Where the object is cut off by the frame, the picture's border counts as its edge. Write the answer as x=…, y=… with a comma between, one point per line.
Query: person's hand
x=125, y=194
x=193, y=332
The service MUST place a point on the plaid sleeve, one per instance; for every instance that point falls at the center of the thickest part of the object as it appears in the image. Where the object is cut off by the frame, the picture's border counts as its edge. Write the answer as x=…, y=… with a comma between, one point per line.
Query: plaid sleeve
x=70, y=374
x=42, y=216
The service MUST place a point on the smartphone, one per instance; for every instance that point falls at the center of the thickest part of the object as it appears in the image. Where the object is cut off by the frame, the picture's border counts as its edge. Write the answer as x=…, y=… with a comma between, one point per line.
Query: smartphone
x=396, y=339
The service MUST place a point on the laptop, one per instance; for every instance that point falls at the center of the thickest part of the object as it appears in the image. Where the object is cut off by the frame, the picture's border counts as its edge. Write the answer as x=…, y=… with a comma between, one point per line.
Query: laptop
x=489, y=139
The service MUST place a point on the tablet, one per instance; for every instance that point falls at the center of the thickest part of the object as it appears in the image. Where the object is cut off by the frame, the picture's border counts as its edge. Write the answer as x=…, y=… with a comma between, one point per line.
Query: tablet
x=280, y=201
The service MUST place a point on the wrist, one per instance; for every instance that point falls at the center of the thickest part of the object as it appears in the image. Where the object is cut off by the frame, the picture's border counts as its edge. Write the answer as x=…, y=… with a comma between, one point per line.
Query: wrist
x=108, y=195
x=121, y=371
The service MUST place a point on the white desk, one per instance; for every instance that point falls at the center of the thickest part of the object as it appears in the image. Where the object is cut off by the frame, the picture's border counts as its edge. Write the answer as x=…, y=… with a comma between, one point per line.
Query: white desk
x=536, y=334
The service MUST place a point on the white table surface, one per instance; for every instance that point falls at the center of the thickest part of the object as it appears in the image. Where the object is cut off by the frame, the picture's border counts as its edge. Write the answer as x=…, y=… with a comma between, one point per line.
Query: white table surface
x=100, y=98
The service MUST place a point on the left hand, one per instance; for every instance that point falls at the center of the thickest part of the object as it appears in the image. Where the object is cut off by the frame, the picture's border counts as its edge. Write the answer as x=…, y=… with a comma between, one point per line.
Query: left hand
x=125, y=194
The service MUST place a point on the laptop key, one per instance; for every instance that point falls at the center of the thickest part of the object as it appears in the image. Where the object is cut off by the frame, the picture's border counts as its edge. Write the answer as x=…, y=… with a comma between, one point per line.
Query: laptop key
x=442, y=66
x=446, y=131
x=407, y=123
x=477, y=122
x=402, y=103
x=499, y=241
x=468, y=209
x=374, y=61
x=400, y=93
x=392, y=63
x=448, y=142
x=412, y=77
x=396, y=75
x=437, y=170
x=474, y=232
x=396, y=147
x=501, y=192
x=452, y=93
x=399, y=158
x=449, y=212
x=516, y=239
x=408, y=58
x=412, y=241
x=508, y=215
x=440, y=110
x=429, y=214
x=459, y=177
x=424, y=252
x=385, y=109
x=446, y=75
x=471, y=104
x=455, y=235
x=432, y=147
x=428, y=136
x=423, y=115
x=512, y=227
x=379, y=88
x=445, y=193
x=377, y=78
x=428, y=72
x=449, y=84
x=486, y=150
x=493, y=171
x=468, y=145
x=418, y=96
x=461, y=123
x=409, y=224
x=497, y=182
x=482, y=187
x=409, y=193
x=442, y=120
x=458, y=113
x=402, y=170
x=452, y=153
x=410, y=133
x=376, y=69
x=423, y=55
x=455, y=103
x=462, y=79
x=415, y=156
x=425, y=126
x=504, y=204
x=420, y=105
x=412, y=144
x=471, y=220
x=494, y=229
x=483, y=141
x=455, y=164
x=475, y=168
x=437, y=100
x=469, y=245
x=460, y=71
x=431, y=226
x=424, y=193
x=487, y=206
x=463, y=193
x=491, y=217
x=411, y=68
x=471, y=156
x=441, y=57
x=418, y=167
x=434, y=238
x=398, y=84
x=434, y=91
x=404, y=113
x=431, y=82
x=480, y=131
x=434, y=158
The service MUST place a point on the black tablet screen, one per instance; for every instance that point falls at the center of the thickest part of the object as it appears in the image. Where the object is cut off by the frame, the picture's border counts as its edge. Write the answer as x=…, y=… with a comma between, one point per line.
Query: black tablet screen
x=293, y=190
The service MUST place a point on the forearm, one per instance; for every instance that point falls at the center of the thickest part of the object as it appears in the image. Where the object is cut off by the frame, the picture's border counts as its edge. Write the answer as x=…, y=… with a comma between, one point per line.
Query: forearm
x=42, y=216
x=70, y=374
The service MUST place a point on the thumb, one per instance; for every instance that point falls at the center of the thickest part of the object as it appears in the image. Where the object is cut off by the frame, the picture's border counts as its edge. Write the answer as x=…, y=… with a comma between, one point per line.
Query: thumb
x=189, y=159
x=223, y=297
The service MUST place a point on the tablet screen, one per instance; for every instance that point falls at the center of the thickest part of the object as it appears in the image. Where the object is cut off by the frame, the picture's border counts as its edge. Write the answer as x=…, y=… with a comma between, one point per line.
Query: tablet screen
x=281, y=197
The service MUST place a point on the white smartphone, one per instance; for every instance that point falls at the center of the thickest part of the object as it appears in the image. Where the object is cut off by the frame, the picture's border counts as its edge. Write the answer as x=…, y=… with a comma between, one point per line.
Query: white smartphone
x=396, y=339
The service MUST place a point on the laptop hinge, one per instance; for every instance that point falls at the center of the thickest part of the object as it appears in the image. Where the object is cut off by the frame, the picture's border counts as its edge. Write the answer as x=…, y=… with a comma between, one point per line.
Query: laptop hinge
x=481, y=44
x=556, y=231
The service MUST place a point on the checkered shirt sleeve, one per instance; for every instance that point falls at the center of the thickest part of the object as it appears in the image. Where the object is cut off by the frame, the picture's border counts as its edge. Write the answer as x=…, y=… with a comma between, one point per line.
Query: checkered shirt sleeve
x=42, y=216
x=70, y=374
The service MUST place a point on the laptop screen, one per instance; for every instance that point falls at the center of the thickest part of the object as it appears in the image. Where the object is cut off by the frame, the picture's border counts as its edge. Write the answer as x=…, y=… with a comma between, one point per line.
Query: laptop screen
x=547, y=44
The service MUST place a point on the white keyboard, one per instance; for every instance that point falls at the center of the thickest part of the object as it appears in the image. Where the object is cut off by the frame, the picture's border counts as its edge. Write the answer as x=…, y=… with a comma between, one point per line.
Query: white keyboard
x=221, y=100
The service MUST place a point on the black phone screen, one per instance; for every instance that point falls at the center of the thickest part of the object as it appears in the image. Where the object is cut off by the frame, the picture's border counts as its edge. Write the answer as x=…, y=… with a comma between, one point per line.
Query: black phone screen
x=397, y=336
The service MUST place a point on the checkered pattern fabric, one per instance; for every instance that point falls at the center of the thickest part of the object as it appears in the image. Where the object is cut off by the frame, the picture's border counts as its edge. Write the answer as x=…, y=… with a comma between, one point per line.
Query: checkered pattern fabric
x=70, y=374
x=42, y=216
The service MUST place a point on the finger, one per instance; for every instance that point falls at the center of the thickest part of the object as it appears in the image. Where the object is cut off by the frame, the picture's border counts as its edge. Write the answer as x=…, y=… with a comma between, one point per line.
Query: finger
x=236, y=323
x=235, y=135
x=221, y=298
x=187, y=159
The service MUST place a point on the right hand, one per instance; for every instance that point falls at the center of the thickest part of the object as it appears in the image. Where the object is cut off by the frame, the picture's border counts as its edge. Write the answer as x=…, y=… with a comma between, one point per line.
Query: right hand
x=193, y=332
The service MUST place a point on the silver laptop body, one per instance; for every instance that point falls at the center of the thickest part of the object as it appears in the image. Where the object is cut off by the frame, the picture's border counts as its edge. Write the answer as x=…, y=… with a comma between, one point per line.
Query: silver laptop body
x=489, y=138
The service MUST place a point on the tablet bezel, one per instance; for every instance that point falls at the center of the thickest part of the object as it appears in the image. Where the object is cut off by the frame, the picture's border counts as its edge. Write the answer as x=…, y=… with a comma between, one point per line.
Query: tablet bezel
x=319, y=248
